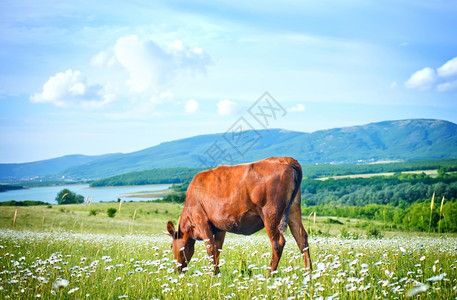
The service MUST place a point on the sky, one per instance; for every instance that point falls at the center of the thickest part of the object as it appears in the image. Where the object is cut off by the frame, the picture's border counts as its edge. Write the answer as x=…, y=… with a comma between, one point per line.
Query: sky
x=97, y=77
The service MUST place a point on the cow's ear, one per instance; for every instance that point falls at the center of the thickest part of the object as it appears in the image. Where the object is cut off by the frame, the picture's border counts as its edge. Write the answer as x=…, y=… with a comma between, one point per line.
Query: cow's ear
x=171, y=228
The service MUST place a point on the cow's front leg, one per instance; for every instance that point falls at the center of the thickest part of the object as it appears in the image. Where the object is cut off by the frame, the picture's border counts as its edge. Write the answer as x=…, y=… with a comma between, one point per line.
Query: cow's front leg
x=211, y=248
x=219, y=241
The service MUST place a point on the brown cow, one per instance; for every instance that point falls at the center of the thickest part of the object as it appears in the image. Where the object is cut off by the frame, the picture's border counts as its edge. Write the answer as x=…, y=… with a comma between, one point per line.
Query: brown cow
x=241, y=199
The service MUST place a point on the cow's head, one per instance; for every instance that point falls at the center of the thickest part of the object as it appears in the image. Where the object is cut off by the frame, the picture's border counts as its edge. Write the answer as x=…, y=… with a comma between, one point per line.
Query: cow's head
x=182, y=246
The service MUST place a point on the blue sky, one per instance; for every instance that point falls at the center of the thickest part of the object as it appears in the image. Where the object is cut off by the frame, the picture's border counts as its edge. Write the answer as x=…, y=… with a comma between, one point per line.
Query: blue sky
x=95, y=77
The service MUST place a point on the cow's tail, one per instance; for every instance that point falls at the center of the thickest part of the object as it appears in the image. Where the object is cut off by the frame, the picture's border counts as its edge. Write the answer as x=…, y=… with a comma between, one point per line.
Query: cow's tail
x=298, y=175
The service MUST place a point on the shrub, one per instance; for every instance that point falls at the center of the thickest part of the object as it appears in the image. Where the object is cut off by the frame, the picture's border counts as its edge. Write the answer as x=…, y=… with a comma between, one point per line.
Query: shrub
x=92, y=212
x=333, y=221
x=374, y=232
x=349, y=235
x=179, y=197
x=111, y=212
x=66, y=196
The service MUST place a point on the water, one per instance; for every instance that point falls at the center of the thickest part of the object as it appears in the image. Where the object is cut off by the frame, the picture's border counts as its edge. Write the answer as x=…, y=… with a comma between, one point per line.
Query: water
x=105, y=194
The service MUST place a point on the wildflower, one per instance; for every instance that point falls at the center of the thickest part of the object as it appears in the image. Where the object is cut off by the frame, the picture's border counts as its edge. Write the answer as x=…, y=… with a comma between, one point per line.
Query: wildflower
x=422, y=258
x=341, y=274
x=60, y=283
x=417, y=290
x=437, y=278
x=123, y=296
x=350, y=287
x=288, y=269
x=216, y=284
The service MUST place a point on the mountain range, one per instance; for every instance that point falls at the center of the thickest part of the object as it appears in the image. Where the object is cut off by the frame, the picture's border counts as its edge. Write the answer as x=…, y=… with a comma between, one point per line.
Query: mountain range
x=402, y=140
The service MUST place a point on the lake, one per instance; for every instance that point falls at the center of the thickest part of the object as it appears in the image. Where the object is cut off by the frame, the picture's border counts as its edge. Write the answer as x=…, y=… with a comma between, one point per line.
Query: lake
x=105, y=194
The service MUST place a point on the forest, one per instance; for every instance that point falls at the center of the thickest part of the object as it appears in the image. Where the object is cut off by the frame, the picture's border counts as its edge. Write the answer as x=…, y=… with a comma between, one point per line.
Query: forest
x=183, y=174
x=397, y=190
x=325, y=170
x=154, y=176
x=406, y=201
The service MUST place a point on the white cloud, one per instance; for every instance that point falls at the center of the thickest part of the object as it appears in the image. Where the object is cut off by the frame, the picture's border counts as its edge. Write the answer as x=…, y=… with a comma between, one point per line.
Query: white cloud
x=298, y=108
x=70, y=88
x=151, y=66
x=103, y=59
x=167, y=95
x=146, y=63
x=227, y=107
x=449, y=68
x=151, y=69
x=191, y=106
x=177, y=44
x=422, y=79
x=447, y=86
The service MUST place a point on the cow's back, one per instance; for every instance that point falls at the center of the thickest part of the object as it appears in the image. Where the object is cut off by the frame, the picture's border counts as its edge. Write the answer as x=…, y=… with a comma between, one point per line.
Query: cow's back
x=232, y=197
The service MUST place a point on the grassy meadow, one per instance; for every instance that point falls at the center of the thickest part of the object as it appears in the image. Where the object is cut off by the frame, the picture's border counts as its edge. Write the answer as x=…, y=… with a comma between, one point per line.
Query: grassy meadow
x=67, y=252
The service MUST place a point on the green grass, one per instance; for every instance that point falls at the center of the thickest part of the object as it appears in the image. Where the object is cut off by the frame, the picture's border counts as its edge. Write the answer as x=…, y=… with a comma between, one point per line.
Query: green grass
x=112, y=258
x=76, y=218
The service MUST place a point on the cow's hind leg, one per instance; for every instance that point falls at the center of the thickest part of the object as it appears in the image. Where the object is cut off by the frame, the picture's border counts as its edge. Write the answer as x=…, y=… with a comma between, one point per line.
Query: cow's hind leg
x=277, y=240
x=298, y=231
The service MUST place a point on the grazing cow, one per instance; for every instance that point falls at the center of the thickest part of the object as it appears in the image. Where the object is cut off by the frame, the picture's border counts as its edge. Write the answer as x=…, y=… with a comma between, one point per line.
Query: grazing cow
x=241, y=199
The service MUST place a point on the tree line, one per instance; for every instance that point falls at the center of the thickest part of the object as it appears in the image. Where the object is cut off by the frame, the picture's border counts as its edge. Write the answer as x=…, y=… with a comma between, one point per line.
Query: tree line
x=154, y=176
x=322, y=170
x=420, y=216
x=397, y=190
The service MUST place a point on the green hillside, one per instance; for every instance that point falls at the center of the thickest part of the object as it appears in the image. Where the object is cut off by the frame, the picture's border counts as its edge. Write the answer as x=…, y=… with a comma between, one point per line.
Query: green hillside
x=404, y=140
x=385, y=141
x=47, y=167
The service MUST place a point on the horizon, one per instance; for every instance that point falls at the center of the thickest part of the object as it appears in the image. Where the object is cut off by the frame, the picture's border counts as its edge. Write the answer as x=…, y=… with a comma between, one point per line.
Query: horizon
x=114, y=77
x=220, y=133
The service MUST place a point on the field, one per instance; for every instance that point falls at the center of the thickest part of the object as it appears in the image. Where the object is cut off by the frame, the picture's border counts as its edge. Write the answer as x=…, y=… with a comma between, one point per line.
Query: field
x=432, y=173
x=64, y=252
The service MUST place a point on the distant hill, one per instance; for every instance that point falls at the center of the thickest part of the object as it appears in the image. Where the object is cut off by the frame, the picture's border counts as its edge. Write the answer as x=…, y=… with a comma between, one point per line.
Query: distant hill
x=402, y=140
x=47, y=167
